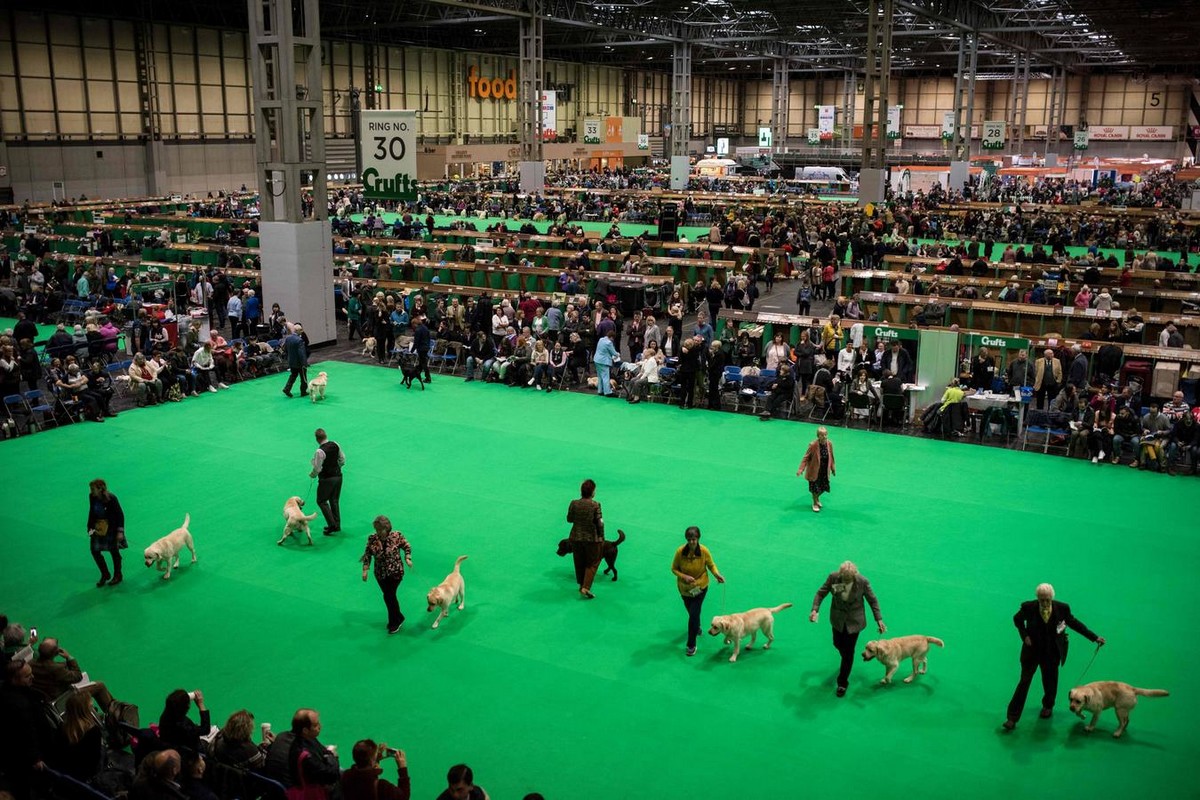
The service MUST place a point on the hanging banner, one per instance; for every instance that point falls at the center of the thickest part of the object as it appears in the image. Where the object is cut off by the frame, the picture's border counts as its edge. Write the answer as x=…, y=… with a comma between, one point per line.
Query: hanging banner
x=549, y=115
x=1151, y=133
x=994, y=133
x=614, y=129
x=893, y=122
x=825, y=115
x=388, y=147
x=814, y=135
x=1081, y=140
x=591, y=131
x=643, y=141
x=764, y=137
x=722, y=146
x=1112, y=133
x=948, y=125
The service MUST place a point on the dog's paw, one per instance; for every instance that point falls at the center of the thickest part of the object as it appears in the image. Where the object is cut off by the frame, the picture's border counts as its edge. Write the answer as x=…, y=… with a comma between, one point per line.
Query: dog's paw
x=732, y=659
x=1089, y=728
x=909, y=679
x=885, y=681
x=1117, y=734
x=280, y=542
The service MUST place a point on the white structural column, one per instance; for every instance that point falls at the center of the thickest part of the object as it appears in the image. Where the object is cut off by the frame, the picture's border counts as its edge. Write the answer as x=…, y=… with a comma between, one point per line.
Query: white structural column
x=681, y=113
x=876, y=88
x=529, y=99
x=964, y=109
x=294, y=232
x=780, y=89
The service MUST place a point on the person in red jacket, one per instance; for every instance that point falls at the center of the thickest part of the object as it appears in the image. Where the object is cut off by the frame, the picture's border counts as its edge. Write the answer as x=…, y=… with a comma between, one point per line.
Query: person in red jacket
x=363, y=782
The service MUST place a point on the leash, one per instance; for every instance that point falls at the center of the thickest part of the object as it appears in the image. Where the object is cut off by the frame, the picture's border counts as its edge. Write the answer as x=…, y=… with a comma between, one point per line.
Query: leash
x=309, y=492
x=724, y=588
x=1089, y=665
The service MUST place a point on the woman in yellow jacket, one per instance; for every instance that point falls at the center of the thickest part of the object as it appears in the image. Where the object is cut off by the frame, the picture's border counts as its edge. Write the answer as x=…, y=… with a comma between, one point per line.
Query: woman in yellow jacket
x=691, y=566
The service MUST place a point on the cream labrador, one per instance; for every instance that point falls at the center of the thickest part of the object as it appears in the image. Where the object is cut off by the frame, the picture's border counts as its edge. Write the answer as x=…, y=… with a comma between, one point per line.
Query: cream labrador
x=317, y=386
x=891, y=652
x=369, y=346
x=295, y=520
x=447, y=593
x=165, y=552
x=736, y=626
x=1099, y=695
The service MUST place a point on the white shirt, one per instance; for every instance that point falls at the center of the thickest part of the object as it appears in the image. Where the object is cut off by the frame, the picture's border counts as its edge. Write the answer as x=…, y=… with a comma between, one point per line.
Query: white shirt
x=845, y=360
x=234, y=308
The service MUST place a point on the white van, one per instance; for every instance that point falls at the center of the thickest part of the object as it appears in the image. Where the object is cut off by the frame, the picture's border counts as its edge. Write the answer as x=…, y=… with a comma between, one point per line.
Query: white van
x=822, y=174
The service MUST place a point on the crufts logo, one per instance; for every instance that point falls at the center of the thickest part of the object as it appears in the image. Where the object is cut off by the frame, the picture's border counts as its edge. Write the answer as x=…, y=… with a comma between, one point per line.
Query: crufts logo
x=496, y=88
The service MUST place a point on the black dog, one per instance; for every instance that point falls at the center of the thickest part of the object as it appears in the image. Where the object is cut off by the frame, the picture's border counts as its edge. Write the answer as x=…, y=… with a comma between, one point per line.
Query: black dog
x=609, y=551
x=410, y=368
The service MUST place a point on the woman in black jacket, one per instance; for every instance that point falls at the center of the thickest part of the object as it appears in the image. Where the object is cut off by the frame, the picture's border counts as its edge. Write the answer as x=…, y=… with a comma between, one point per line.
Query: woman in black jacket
x=106, y=529
x=174, y=726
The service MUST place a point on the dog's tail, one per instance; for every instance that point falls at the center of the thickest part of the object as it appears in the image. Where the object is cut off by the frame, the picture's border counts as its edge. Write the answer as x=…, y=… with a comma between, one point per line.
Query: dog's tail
x=1151, y=692
x=458, y=561
x=935, y=640
x=779, y=608
x=620, y=537
x=187, y=518
x=310, y=517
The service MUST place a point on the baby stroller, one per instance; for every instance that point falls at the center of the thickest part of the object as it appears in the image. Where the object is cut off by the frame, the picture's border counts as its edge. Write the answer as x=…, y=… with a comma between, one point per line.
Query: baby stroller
x=410, y=368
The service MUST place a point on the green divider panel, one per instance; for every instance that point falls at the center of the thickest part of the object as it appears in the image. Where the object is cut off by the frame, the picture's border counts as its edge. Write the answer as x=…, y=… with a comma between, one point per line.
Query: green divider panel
x=513, y=282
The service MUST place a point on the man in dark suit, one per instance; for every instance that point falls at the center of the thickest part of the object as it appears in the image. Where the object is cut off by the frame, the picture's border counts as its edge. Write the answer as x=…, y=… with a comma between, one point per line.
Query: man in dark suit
x=898, y=362
x=846, y=614
x=1043, y=625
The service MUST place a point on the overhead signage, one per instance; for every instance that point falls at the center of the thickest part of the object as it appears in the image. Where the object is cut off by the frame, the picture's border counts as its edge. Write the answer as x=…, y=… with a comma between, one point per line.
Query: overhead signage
x=825, y=118
x=643, y=141
x=591, y=131
x=1151, y=133
x=994, y=133
x=814, y=135
x=549, y=115
x=1081, y=140
x=1109, y=133
x=948, y=125
x=893, y=121
x=388, y=149
x=764, y=136
x=722, y=146
x=495, y=88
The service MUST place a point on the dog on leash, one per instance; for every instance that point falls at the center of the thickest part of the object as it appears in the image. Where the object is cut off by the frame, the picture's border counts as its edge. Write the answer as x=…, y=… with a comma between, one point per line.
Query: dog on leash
x=609, y=551
x=891, y=652
x=165, y=552
x=1099, y=695
x=295, y=520
x=736, y=626
x=317, y=386
x=410, y=368
x=369, y=346
x=449, y=592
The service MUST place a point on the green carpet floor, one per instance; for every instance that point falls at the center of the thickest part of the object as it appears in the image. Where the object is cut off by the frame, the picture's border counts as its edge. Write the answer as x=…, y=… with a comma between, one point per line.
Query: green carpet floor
x=539, y=690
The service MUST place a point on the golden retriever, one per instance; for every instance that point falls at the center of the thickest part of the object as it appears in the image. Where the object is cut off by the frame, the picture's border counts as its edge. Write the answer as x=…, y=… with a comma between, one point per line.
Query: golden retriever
x=317, y=386
x=891, y=652
x=369, y=346
x=295, y=520
x=447, y=593
x=165, y=552
x=1099, y=695
x=736, y=626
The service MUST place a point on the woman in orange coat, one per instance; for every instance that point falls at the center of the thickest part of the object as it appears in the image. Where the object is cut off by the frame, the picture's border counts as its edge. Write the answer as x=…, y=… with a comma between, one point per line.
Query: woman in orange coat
x=817, y=466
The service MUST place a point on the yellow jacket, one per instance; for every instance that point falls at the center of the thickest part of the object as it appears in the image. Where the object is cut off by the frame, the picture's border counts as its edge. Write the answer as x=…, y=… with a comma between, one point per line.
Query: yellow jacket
x=697, y=566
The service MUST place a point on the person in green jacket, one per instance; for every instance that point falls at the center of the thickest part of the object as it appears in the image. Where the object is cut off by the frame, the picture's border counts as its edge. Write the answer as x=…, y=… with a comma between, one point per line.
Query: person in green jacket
x=353, y=315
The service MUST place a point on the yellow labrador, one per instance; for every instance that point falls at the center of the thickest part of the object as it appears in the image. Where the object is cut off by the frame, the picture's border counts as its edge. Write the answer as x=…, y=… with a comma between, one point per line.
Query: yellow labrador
x=317, y=386
x=165, y=552
x=1099, y=695
x=736, y=626
x=891, y=652
x=447, y=593
x=295, y=520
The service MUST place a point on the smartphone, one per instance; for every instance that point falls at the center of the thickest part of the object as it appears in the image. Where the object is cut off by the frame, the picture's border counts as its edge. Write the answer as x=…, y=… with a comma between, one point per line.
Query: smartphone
x=33, y=633
x=391, y=751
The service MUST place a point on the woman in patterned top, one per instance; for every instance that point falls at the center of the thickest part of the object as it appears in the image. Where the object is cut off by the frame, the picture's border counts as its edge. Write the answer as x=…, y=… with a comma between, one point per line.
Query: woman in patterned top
x=384, y=547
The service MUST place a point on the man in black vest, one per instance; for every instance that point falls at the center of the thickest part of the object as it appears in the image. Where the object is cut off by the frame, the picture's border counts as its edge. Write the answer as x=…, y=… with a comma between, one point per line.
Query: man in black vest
x=1043, y=625
x=327, y=469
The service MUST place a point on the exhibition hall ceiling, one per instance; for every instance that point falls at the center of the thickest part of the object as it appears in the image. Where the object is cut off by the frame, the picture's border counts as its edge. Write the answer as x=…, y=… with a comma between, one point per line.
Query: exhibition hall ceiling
x=1154, y=37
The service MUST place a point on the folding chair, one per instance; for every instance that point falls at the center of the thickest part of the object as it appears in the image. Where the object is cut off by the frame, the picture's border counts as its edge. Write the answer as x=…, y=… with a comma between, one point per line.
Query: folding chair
x=859, y=405
x=36, y=404
x=12, y=427
x=820, y=403
x=894, y=408
x=731, y=385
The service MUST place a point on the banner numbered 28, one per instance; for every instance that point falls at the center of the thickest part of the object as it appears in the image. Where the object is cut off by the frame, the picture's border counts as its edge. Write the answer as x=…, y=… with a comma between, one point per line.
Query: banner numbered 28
x=388, y=144
x=994, y=134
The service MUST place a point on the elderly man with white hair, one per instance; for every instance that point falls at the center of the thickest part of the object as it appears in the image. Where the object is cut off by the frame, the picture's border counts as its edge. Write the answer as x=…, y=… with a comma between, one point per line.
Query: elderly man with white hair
x=849, y=589
x=1043, y=625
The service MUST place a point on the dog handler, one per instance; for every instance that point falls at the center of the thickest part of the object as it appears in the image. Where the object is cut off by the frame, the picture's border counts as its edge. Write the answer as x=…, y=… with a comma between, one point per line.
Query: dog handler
x=390, y=551
x=327, y=466
x=848, y=589
x=817, y=466
x=106, y=529
x=587, y=536
x=1043, y=625
x=691, y=566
